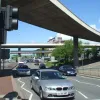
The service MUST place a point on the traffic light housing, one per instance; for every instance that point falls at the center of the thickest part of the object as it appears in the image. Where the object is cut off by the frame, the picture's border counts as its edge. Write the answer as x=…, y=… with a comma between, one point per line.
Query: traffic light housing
x=11, y=18
x=2, y=19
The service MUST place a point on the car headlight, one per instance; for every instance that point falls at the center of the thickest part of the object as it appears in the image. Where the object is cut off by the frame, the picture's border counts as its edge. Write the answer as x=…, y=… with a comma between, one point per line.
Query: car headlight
x=72, y=87
x=68, y=71
x=49, y=88
x=28, y=71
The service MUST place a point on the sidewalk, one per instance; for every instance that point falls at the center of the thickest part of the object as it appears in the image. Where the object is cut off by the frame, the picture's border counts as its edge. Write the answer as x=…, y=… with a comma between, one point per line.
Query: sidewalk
x=90, y=70
x=8, y=89
x=5, y=86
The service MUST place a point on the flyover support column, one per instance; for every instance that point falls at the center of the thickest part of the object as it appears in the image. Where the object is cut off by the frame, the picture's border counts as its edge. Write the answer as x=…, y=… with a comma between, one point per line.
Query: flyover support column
x=42, y=52
x=42, y=55
x=76, y=61
x=19, y=54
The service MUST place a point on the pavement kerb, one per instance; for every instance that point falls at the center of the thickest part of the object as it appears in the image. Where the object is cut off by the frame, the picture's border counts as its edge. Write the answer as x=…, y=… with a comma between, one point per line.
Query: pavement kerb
x=1, y=96
x=15, y=88
x=15, y=66
x=89, y=76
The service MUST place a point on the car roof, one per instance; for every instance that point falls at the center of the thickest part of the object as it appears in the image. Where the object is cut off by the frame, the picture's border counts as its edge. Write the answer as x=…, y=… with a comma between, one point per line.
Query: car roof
x=42, y=70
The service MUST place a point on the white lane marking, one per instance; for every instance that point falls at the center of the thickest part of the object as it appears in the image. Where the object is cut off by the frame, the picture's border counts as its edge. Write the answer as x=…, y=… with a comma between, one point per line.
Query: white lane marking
x=25, y=89
x=95, y=99
x=88, y=83
x=82, y=94
x=89, y=77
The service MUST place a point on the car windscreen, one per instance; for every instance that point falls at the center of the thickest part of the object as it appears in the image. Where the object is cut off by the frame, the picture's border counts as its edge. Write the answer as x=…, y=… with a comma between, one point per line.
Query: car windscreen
x=67, y=67
x=20, y=64
x=37, y=61
x=47, y=75
x=23, y=67
x=70, y=69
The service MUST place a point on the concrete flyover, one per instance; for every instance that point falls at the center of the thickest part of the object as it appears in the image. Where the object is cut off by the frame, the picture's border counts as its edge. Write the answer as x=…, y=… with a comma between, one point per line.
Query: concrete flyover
x=29, y=51
x=46, y=45
x=53, y=15
x=30, y=45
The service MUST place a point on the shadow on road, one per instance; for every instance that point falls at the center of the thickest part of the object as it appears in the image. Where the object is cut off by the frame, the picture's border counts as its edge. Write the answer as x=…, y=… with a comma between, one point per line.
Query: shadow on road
x=11, y=95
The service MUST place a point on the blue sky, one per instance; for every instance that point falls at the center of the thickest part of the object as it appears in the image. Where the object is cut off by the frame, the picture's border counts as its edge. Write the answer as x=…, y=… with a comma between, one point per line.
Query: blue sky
x=87, y=10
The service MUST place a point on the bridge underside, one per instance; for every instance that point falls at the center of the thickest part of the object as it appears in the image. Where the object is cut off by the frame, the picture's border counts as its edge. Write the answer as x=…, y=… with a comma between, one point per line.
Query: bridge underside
x=52, y=15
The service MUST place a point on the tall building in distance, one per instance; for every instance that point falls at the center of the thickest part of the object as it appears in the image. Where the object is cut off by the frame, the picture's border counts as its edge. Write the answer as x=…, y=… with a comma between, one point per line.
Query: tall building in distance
x=56, y=40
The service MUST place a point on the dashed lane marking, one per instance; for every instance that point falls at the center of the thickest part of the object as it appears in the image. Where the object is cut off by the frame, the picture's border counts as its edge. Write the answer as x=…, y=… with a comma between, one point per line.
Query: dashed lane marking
x=23, y=83
x=82, y=94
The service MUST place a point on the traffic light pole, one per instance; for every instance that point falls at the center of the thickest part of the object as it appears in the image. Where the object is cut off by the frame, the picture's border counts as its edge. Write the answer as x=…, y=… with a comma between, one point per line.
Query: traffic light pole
x=0, y=56
x=0, y=5
x=0, y=44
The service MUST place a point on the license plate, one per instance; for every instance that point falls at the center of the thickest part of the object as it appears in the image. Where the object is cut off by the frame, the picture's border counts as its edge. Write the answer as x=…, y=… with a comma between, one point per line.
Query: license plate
x=65, y=93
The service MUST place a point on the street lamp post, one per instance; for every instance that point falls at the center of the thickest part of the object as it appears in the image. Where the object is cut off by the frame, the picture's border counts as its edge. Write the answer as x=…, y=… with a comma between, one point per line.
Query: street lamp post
x=0, y=5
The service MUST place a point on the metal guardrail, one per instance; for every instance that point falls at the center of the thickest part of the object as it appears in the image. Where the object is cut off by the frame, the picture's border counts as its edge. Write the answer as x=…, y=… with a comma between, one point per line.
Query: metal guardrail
x=89, y=71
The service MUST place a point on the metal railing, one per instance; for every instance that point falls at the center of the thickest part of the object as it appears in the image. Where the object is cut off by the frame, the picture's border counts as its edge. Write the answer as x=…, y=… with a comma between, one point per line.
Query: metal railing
x=89, y=71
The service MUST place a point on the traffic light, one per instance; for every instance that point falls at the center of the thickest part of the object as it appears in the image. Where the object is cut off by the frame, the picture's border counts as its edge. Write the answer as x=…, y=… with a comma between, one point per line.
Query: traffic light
x=2, y=19
x=11, y=18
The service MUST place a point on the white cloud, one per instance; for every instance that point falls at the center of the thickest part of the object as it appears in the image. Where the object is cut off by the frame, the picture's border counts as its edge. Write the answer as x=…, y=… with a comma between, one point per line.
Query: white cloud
x=93, y=26
x=50, y=37
x=64, y=37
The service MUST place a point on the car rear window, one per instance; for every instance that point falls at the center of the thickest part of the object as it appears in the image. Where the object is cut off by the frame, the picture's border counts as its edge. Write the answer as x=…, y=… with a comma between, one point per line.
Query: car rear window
x=24, y=67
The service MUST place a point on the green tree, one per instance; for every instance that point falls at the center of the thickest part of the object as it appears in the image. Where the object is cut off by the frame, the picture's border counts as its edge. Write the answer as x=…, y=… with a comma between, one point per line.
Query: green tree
x=13, y=57
x=94, y=52
x=88, y=51
x=66, y=51
x=40, y=54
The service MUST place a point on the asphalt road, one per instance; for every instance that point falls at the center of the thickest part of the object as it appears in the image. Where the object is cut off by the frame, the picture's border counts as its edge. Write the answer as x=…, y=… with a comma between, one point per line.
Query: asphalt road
x=86, y=88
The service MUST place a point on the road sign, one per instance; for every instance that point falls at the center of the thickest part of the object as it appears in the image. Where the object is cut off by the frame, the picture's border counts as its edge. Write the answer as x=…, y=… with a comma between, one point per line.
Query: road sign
x=82, y=56
x=5, y=53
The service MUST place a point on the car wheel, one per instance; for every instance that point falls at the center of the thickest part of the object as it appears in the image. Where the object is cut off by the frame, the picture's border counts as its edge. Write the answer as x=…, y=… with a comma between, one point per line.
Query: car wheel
x=64, y=74
x=17, y=74
x=41, y=94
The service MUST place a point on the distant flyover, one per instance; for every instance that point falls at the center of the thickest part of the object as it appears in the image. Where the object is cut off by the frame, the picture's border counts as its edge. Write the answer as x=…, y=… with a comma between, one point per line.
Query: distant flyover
x=30, y=45
x=29, y=51
x=41, y=45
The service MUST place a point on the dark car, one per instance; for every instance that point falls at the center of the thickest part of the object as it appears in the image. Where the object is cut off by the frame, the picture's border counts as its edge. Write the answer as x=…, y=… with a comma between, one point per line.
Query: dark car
x=42, y=66
x=68, y=70
x=36, y=62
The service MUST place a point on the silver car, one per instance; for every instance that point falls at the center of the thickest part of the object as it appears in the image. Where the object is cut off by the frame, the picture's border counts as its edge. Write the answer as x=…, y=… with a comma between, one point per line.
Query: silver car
x=50, y=84
x=23, y=70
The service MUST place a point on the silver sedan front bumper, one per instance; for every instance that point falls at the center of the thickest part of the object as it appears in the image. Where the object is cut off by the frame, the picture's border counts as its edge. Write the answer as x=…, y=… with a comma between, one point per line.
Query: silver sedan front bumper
x=58, y=94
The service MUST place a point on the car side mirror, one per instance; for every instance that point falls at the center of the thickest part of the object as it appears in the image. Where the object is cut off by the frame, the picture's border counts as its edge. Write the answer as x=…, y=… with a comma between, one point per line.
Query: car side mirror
x=37, y=78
